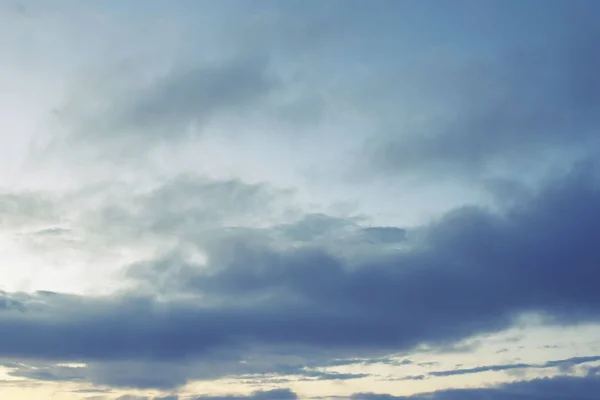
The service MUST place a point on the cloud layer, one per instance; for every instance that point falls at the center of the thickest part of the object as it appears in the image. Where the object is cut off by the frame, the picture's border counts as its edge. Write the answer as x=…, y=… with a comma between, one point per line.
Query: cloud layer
x=472, y=271
x=270, y=192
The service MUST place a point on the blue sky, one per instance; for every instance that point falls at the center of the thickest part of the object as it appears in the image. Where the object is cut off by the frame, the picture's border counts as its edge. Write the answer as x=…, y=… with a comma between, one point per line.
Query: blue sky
x=269, y=200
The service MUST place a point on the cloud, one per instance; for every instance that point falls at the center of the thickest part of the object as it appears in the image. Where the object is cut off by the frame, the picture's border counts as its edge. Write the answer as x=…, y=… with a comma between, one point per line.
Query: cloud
x=106, y=219
x=209, y=278
x=10, y=302
x=487, y=368
x=56, y=373
x=172, y=94
x=387, y=360
x=576, y=388
x=410, y=378
x=164, y=110
x=330, y=376
x=388, y=234
x=174, y=109
x=166, y=375
x=186, y=206
x=26, y=209
x=514, y=104
x=563, y=364
x=470, y=272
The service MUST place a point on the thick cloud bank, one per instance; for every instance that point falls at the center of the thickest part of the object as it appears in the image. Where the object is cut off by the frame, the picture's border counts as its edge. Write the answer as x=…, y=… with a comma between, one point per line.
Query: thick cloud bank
x=472, y=271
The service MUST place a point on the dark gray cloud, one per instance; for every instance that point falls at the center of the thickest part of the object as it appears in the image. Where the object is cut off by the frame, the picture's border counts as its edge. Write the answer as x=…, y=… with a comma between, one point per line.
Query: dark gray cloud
x=562, y=387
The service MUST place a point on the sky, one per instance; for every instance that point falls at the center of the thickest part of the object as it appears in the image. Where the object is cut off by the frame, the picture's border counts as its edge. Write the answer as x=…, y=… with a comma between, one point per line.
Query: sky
x=299, y=200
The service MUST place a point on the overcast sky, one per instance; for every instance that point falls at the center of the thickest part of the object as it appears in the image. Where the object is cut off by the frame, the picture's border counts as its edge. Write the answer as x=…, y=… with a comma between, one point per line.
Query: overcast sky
x=300, y=199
